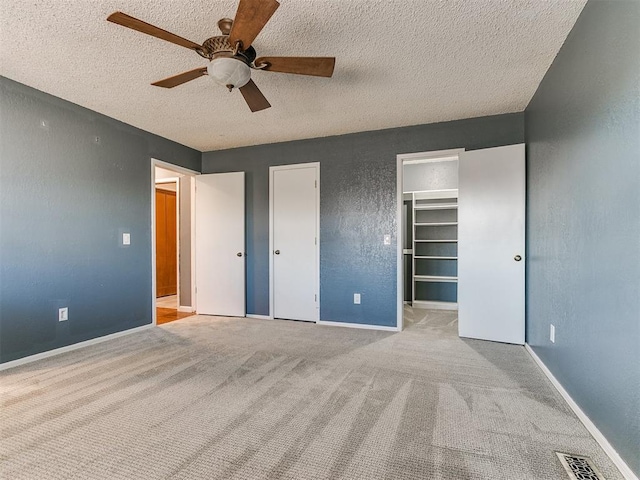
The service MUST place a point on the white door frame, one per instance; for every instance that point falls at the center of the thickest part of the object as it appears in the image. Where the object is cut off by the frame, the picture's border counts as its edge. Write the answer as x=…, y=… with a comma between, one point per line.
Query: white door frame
x=401, y=159
x=189, y=173
x=175, y=180
x=315, y=165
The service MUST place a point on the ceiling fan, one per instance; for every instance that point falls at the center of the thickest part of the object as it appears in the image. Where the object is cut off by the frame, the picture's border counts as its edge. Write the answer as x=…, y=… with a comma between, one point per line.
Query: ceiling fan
x=231, y=55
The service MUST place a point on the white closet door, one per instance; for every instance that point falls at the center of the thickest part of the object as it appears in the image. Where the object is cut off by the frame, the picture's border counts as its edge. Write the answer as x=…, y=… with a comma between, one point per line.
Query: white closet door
x=220, y=243
x=491, y=223
x=294, y=236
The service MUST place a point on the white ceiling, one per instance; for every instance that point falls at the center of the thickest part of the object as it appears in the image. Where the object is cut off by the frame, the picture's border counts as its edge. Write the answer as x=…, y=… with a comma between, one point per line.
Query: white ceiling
x=399, y=62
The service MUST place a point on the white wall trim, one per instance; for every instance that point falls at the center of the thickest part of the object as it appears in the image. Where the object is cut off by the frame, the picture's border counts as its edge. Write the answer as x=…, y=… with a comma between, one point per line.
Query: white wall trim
x=586, y=421
x=399, y=246
x=190, y=174
x=168, y=180
x=362, y=326
x=435, y=305
x=431, y=160
x=154, y=316
x=315, y=165
x=435, y=156
x=192, y=197
x=186, y=309
x=175, y=180
x=173, y=167
x=69, y=348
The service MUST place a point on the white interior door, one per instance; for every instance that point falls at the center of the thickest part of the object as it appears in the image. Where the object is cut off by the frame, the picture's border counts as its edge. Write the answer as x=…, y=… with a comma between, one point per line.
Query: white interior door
x=294, y=233
x=491, y=223
x=220, y=244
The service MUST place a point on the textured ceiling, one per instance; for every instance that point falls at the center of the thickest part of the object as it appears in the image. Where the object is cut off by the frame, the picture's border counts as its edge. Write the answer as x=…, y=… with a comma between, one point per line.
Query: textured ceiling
x=399, y=62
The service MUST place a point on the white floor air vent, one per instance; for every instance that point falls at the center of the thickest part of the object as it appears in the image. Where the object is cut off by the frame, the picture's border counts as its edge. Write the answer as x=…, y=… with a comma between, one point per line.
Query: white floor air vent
x=578, y=467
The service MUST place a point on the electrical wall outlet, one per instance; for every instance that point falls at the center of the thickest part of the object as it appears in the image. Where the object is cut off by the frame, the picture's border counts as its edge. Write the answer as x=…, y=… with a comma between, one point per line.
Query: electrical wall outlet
x=356, y=298
x=552, y=333
x=63, y=314
x=126, y=239
x=386, y=239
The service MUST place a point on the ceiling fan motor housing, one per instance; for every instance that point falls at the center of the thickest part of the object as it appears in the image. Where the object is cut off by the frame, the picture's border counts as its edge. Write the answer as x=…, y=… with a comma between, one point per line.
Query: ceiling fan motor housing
x=215, y=46
x=224, y=68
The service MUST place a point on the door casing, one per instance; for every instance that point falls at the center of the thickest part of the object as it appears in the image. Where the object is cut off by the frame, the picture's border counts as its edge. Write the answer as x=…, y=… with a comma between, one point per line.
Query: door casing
x=401, y=159
x=190, y=173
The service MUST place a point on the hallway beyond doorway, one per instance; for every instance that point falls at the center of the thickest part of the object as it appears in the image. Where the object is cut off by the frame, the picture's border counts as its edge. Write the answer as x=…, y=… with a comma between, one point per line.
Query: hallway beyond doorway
x=167, y=310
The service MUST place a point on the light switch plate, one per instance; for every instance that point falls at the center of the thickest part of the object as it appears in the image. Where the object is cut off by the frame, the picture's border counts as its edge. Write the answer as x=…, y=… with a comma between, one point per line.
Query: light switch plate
x=126, y=239
x=63, y=314
x=552, y=333
x=356, y=298
x=387, y=239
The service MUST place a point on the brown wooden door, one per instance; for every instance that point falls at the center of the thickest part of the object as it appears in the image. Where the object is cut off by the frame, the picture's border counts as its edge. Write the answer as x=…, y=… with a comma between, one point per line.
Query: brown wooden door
x=166, y=244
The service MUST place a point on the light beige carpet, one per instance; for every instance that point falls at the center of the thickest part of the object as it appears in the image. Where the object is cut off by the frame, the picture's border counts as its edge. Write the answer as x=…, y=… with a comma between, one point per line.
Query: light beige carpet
x=219, y=398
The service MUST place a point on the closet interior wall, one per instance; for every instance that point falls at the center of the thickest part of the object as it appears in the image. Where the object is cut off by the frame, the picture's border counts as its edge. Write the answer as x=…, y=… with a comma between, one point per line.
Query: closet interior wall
x=430, y=229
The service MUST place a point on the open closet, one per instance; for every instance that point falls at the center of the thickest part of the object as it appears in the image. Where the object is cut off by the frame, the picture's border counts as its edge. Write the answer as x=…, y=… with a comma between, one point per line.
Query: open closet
x=463, y=218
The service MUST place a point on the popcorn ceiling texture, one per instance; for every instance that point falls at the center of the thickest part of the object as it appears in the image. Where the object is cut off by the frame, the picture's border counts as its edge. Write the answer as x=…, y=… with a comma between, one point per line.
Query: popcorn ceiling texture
x=398, y=63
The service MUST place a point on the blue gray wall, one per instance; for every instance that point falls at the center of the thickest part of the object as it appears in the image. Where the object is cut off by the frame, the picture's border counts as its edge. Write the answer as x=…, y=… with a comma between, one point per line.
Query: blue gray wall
x=357, y=207
x=583, y=220
x=64, y=200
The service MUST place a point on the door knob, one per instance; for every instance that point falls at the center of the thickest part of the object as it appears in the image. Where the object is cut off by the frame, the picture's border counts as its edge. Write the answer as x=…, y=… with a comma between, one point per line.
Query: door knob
x=277, y=252
x=517, y=258
x=239, y=254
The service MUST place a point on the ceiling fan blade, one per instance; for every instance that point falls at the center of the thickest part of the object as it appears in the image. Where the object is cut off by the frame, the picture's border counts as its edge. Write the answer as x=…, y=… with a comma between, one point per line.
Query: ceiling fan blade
x=144, y=27
x=254, y=97
x=251, y=17
x=317, y=66
x=181, y=78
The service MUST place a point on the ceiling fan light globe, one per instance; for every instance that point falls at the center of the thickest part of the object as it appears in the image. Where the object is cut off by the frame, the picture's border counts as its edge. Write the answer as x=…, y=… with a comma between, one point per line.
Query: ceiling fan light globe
x=229, y=72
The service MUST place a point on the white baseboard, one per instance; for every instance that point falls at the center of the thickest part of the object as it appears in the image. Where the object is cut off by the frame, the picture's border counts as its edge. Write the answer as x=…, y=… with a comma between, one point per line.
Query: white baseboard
x=184, y=309
x=593, y=430
x=69, y=348
x=433, y=305
x=260, y=317
x=357, y=325
x=332, y=324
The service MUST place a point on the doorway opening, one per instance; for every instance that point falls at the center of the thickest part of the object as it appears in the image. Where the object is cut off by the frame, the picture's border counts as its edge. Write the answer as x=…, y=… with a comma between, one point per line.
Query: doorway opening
x=467, y=238
x=427, y=216
x=173, y=256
